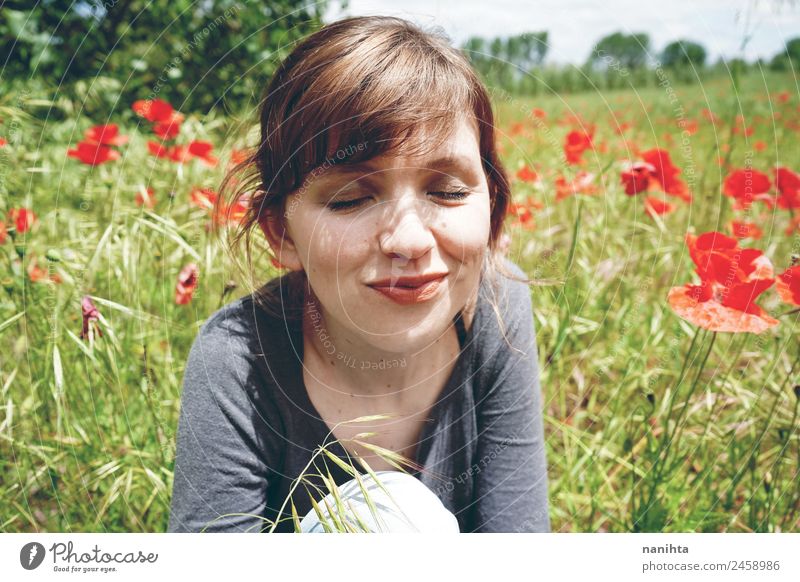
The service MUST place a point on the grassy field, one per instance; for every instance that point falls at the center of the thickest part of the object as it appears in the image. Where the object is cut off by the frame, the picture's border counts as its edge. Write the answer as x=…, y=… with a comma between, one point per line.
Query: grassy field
x=652, y=424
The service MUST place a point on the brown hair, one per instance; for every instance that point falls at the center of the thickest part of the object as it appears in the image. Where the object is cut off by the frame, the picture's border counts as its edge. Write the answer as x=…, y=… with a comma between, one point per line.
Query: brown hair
x=356, y=89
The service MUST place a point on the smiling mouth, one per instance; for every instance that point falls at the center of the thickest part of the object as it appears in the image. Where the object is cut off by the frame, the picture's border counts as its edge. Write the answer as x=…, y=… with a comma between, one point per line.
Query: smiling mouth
x=409, y=294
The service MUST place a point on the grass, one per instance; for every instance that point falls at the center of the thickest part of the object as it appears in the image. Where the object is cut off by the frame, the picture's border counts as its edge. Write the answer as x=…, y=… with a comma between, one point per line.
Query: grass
x=650, y=424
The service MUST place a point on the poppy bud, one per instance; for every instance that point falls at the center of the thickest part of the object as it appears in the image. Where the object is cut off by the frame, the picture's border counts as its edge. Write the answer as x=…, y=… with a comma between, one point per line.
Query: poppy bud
x=229, y=286
x=627, y=444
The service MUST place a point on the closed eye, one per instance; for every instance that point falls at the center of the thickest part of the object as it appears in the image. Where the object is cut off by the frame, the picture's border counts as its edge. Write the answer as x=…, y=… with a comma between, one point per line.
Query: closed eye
x=451, y=196
x=342, y=205
x=345, y=204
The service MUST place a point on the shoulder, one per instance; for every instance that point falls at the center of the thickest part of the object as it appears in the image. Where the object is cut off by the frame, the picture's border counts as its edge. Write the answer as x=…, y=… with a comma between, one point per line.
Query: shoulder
x=231, y=367
x=248, y=318
x=237, y=342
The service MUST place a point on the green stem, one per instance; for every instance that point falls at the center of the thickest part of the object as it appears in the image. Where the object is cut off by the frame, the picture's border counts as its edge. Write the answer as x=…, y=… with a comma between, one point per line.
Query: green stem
x=722, y=385
x=678, y=429
x=673, y=396
x=664, y=443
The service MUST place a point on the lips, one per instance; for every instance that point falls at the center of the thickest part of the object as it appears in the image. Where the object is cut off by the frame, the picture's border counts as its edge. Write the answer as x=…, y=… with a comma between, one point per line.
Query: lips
x=408, y=290
x=407, y=281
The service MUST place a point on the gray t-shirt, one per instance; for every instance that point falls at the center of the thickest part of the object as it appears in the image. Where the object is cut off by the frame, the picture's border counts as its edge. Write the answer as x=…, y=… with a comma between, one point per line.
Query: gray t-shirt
x=247, y=426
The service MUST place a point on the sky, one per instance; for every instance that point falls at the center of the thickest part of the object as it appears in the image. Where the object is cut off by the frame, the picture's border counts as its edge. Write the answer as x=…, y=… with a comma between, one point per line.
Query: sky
x=575, y=25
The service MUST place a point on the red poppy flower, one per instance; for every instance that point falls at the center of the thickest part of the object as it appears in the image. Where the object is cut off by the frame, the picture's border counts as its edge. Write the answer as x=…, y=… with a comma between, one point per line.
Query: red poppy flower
x=636, y=177
x=665, y=174
x=90, y=317
x=746, y=187
x=653, y=205
x=527, y=175
x=690, y=126
x=237, y=211
x=788, y=285
x=179, y=154
x=158, y=150
x=3, y=232
x=741, y=127
x=720, y=259
x=105, y=135
x=3, y=142
x=759, y=146
x=575, y=144
x=731, y=278
x=37, y=273
x=621, y=128
x=145, y=197
x=516, y=129
x=788, y=184
x=239, y=157
x=539, y=113
x=187, y=283
x=202, y=151
x=522, y=213
x=233, y=214
x=204, y=198
x=168, y=129
x=93, y=154
x=745, y=230
x=582, y=184
x=23, y=219
x=737, y=313
x=156, y=111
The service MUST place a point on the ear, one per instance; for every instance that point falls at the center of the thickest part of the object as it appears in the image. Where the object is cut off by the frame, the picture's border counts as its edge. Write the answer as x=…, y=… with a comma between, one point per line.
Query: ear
x=279, y=241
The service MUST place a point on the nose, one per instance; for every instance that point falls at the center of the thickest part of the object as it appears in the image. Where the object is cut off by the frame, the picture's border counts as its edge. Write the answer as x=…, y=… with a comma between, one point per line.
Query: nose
x=406, y=234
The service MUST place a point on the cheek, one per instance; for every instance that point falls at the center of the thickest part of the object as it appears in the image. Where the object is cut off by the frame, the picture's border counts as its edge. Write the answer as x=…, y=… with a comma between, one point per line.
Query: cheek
x=334, y=244
x=465, y=230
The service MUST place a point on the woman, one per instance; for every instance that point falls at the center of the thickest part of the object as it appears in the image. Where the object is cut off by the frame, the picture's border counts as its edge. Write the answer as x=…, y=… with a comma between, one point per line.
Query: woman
x=379, y=188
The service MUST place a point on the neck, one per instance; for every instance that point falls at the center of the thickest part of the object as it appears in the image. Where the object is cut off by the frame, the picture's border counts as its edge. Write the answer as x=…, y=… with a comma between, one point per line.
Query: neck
x=362, y=369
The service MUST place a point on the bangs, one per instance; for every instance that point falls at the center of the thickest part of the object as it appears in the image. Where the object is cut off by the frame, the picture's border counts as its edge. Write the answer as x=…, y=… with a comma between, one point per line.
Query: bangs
x=389, y=94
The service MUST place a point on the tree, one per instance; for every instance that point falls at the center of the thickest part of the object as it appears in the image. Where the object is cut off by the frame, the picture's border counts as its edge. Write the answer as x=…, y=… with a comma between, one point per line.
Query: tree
x=683, y=54
x=506, y=60
x=620, y=51
x=788, y=58
x=190, y=52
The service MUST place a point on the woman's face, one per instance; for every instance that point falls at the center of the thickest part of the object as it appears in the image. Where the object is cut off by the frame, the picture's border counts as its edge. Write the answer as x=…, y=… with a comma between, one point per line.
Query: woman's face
x=361, y=231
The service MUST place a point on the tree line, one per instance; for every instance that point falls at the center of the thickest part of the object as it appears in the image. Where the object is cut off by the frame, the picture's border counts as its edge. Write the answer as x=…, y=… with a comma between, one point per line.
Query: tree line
x=517, y=63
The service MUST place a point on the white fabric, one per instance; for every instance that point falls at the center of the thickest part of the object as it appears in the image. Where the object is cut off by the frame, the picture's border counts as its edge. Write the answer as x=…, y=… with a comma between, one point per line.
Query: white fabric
x=415, y=507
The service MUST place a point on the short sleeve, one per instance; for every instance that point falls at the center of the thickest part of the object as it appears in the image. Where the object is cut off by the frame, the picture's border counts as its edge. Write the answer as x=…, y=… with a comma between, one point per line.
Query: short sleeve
x=226, y=439
x=510, y=466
